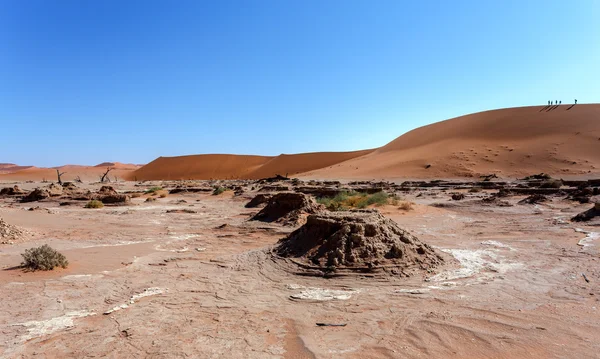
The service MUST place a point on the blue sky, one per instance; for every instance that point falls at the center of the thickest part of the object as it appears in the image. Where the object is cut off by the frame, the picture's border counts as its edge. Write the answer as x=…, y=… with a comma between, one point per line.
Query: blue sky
x=91, y=81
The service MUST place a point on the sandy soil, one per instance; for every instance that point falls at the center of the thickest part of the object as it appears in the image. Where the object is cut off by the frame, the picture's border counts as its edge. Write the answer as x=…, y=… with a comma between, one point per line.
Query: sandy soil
x=175, y=285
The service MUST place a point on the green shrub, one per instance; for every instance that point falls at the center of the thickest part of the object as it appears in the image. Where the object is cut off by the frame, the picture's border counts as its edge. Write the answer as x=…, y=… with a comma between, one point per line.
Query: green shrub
x=153, y=190
x=219, y=190
x=43, y=258
x=346, y=200
x=94, y=204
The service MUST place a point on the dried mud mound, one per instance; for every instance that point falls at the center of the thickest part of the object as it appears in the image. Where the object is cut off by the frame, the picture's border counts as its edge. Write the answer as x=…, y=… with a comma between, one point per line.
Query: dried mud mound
x=358, y=240
x=108, y=195
x=258, y=200
x=590, y=214
x=288, y=208
x=10, y=233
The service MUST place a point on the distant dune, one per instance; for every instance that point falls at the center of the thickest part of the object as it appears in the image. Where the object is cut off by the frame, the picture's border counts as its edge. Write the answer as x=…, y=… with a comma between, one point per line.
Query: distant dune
x=514, y=142
x=200, y=167
x=11, y=167
x=295, y=164
x=85, y=173
x=508, y=142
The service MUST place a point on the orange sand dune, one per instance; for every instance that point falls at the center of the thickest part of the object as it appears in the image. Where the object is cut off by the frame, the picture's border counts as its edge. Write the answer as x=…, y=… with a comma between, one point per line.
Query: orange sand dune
x=11, y=167
x=199, y=167
x=85, y=173
x=508, y=142
x=294, y=164
x=238, y=166
x=562, y=141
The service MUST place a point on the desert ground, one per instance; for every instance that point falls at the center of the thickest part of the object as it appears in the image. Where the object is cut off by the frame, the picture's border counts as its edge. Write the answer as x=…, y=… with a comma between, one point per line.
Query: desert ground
x=475, y=237
x=188, y=274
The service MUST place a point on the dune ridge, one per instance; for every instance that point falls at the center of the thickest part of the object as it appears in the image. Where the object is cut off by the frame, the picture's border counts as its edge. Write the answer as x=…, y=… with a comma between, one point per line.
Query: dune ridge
x=558, y=140
x=507, y=142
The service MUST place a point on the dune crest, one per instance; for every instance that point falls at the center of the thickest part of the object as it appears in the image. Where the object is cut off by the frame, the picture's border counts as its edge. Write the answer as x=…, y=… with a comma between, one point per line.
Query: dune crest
x=558, y=140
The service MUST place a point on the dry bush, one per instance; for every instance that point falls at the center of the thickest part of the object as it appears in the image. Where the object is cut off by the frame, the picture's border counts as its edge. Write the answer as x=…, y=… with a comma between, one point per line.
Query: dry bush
x=406, y=206
x=94, y=204
x=43, y=258
x=163, y=195
x=150, y=199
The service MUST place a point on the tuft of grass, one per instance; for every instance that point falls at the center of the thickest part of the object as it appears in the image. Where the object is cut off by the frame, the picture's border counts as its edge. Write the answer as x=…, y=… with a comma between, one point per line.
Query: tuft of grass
x=346, y=200
x=153, y=190
x=406, y=206
x=43, y=258
x=218, y=190
x=94, y=204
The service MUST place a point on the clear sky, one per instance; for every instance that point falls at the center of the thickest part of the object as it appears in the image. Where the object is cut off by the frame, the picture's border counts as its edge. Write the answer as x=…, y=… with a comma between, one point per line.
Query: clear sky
x=86, y=81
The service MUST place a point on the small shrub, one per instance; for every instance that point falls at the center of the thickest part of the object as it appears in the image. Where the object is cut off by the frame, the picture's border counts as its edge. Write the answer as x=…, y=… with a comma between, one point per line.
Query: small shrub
x=552, y=183
x=163, y=195
x=378, y=199
x=43, y=258
x=153, y=190
x=150, y=199
x=406, y=206
x=136, y=195
x=218, y=190
x=94, y=204
x=346, y=200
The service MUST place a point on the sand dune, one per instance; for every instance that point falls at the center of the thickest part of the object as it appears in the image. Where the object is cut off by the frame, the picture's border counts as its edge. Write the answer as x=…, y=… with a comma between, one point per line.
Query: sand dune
x=85, y=173
x=562, y=141
x=200, y=167
x=11, y=167
x=508, y=142
x=238, y=166
x=295, y=164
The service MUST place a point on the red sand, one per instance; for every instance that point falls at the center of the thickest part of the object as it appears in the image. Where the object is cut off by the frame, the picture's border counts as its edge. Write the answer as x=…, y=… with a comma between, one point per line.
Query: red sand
x=508, y=142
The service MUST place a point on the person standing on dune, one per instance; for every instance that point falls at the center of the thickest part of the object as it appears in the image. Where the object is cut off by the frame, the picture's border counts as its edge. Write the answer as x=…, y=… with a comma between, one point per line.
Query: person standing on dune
x=560, y=102
x=576, y=101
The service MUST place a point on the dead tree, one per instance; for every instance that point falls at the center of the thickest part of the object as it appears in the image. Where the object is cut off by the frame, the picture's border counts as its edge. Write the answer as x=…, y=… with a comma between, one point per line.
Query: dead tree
x=105, y=175
x=58, y=174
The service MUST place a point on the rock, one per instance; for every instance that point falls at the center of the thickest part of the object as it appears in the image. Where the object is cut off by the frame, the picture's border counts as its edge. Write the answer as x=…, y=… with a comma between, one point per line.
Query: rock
x=359, y=239
x=588, y=215
x=494, y=201
x=106, y=190
x=458, y=196
x=10, y=233
x=114, y=198
x=534, y=199
x=69, y=186
x=37, y=194
x=55, y=190
x=181, y=211
x=258, y=200
x=11, y=191
x=108, y=195
x=288, y=208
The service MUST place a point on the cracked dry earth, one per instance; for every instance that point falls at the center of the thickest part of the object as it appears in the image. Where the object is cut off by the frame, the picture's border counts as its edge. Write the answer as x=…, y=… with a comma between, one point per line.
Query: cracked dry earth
x=146, y=284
